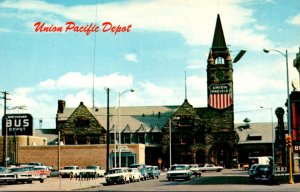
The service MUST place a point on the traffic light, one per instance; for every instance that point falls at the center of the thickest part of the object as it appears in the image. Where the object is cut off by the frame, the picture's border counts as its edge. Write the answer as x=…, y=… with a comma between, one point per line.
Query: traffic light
x=288, y=140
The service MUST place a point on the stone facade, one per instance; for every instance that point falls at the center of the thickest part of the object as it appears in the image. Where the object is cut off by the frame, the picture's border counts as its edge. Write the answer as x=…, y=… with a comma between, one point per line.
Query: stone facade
x=81, y=127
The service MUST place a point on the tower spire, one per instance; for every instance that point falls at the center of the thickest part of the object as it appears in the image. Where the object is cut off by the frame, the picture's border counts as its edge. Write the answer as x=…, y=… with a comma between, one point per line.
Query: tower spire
x=185, y=85
x=219, y=39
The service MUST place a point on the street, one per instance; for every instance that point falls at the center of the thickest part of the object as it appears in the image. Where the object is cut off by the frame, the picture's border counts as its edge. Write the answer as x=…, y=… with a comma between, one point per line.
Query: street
x=227, y=180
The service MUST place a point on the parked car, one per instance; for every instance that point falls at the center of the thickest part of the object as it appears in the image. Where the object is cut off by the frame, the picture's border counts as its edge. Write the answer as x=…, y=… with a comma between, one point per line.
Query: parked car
x=179, y=171
x=70, y=171
x=263, y=173
x=54, y=172
x=35, y=164
x=118, y=175
x=135, y=174
x=6, y=176
x=21, y=175
x=97, y=169
x=142, y=168
x=211, y=167
x=43, y=170
x=36, y=174
x=195, y=170
x=153, y=171
x=251, y=170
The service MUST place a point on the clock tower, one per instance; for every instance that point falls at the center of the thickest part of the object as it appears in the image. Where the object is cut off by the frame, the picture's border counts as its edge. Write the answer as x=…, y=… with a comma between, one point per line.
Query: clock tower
x=221, y=137
x=219, y=81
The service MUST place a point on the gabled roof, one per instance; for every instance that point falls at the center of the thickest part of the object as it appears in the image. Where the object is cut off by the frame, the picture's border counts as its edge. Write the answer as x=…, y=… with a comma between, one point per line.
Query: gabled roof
x=263, y=130
x=142, y=129
x=134, y=117
x=155, y=129
x=186, y=109
x=127, y=129
x=113, y=128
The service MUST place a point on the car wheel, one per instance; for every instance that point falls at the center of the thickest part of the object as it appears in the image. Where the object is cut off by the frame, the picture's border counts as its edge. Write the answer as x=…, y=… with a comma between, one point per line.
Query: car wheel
x=30, y=181
x=169, y=179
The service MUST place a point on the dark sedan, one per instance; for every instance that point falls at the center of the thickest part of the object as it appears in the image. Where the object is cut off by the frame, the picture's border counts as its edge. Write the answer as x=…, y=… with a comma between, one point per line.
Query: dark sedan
x=263, y=173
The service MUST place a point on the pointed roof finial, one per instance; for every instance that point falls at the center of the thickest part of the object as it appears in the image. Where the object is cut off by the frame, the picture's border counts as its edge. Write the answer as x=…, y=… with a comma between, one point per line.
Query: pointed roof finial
x=219, y=39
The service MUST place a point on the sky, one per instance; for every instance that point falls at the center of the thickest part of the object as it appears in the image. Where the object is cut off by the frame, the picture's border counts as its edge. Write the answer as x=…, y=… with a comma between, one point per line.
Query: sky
x=162, y=40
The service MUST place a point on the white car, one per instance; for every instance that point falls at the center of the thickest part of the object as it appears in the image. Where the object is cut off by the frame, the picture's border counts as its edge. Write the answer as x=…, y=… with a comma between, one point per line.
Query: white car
x=118, y=175
x=211, y=167
x=6, y=176
x=135, y=174
x=180, y=171
x=70, y=171
x=97, y=169
x=21, y=175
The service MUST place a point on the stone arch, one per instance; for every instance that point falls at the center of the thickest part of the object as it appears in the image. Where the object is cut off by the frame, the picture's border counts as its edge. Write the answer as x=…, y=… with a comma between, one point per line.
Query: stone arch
x=220, y=153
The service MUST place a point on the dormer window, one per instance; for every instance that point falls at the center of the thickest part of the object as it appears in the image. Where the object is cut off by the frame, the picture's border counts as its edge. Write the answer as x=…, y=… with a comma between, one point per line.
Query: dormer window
x=254, y=137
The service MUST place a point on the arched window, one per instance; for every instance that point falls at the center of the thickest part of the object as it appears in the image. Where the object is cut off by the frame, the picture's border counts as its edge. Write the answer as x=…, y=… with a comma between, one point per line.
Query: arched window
x=220, y=60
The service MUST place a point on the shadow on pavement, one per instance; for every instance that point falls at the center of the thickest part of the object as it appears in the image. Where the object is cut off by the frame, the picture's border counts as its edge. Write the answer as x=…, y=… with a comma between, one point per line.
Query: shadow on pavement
x=223, y=180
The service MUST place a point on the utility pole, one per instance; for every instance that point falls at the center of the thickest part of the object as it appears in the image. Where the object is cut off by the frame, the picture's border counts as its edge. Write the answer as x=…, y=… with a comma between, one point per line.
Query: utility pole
x=4, y=132
x=107, y=133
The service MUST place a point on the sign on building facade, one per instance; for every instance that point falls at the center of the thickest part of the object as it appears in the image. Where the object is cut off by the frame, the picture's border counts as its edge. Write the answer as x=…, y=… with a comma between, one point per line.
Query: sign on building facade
x=17, y=124
x=219, y=96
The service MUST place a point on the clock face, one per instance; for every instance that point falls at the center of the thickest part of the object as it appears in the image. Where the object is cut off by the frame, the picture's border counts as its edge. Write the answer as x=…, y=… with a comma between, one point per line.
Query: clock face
x=220, y=74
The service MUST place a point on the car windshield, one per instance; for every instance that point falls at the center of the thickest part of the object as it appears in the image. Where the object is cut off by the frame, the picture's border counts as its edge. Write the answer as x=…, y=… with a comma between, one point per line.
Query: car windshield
x=28, y=168
x=69, y=168
x=149, y=168
x=134, y=166
x=112, y=171
x=4, y=170
x=178, y=167
x=91, y=167
x=263, y=168
x=39, y=168
x=17, y=170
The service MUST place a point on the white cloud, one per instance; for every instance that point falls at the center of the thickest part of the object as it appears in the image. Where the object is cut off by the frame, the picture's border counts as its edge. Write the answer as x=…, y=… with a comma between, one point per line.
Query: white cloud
x=295, y=20
x=184, y=17
x=73, y=99
x=132, y=57
x=76, y=80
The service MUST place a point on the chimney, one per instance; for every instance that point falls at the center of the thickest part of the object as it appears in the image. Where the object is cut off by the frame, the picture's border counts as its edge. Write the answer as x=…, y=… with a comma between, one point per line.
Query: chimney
x=61, y=106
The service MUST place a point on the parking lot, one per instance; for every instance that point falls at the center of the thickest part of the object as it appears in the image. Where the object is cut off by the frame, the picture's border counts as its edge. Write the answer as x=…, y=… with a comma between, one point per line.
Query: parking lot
x=227, y=180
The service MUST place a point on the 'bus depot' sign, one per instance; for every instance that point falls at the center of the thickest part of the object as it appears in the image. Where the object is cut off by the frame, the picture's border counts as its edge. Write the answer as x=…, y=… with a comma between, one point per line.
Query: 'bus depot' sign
x=17, y=124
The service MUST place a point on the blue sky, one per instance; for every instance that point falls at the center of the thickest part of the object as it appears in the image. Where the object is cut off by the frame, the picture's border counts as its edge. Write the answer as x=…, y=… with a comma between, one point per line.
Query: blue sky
x=167, y=38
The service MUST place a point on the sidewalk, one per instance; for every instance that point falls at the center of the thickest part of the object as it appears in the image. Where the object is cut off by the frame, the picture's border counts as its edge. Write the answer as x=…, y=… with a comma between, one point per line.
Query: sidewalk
x=54, y=184
x=68, y=185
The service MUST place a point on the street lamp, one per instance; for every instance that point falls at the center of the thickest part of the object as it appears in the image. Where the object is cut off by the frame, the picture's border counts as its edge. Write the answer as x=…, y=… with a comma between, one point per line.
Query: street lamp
x=272, y=128
x=287, y=84
x=119, y=124
x=289, y=104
